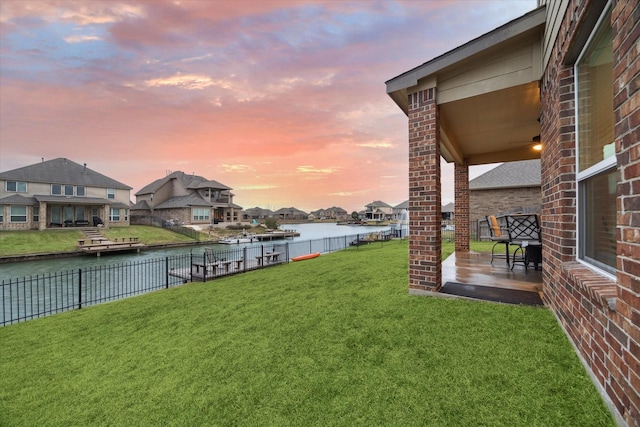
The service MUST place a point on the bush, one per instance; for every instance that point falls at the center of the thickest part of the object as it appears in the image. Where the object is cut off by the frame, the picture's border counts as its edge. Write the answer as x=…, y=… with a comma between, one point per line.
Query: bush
x=271, y=223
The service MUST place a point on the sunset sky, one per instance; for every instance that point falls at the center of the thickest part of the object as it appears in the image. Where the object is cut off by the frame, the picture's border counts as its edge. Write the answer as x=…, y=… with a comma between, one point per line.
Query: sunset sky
x=283, y=101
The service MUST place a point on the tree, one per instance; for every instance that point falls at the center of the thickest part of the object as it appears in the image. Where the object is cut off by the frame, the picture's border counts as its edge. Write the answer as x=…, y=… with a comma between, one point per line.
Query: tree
x=354, y=215
x=271, y=223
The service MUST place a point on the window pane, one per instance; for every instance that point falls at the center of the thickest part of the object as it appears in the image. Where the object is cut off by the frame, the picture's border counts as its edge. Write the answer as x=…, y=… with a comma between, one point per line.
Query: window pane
x=80, y=191
x=599, y=228
x=595, y=100
x=68, y=190
x=12, y=186
x=18, y=214
x=56, y=189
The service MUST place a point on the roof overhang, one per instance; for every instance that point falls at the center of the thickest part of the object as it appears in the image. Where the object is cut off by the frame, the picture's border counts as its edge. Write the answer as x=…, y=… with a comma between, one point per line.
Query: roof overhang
x=488, y=93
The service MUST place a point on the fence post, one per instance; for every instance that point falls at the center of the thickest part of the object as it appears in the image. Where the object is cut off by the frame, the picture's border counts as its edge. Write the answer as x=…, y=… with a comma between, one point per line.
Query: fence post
x=79, y=288
x=166, y=271
x=191, y=267
x=244, y=256
x=286, y=245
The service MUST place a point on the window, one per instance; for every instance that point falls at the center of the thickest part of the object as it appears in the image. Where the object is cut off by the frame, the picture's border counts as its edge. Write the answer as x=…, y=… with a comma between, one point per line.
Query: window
x=126, y=214
x=200, y=214
x=68, y=190
x=36, y=214
x=1, y=214
x=16, y=186
x=596, y=162
x=56, y=189
x=111, y=193
x=18, y=214
x=80, y=191
x=114, y=214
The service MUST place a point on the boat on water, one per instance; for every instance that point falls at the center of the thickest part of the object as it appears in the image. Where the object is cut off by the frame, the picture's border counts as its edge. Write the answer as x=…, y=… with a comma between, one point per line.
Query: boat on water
x=307, y=256
x=240, y=238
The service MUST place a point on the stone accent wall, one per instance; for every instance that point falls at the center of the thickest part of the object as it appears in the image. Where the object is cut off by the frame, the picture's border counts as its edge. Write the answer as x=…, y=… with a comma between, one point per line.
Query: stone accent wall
x=425, y=205
x=600, y=316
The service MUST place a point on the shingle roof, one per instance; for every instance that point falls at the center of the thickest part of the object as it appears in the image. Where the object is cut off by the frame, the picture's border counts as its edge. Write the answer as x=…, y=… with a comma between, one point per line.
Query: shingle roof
x=62, y=171
x=17, y=199
x=403, y=205
x=378, y=203
x=525, y=173
x=183, y=201
x=187, y=181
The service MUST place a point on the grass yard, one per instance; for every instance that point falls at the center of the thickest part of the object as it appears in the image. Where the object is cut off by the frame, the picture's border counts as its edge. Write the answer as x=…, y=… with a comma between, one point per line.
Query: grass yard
x=332, y=341
x=66, y=240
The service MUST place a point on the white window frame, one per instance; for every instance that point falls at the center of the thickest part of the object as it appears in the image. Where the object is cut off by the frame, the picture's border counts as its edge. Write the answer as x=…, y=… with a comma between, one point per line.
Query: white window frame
x=17, y=184
x=53, y=186
x=605, y=165
x=13, y=216
x=114, y=214
x=111, y=193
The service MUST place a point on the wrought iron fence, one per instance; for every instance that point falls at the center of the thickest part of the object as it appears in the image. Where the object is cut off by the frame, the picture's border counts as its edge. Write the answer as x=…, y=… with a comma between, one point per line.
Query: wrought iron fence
x=42, y=295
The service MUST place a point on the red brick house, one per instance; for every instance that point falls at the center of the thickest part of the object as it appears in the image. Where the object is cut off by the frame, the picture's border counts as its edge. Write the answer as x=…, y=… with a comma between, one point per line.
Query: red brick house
x=567, y=75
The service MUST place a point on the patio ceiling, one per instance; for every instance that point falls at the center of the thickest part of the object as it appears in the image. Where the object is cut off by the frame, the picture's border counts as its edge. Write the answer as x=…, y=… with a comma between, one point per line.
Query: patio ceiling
x=487, y=92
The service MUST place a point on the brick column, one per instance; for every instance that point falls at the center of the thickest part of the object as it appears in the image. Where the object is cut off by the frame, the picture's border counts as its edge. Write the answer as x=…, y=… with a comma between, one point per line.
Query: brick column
x=425, y=206
x=461, y=189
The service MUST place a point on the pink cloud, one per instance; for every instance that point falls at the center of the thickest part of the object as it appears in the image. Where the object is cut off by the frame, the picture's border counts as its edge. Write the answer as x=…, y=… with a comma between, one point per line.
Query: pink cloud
x=283, y=101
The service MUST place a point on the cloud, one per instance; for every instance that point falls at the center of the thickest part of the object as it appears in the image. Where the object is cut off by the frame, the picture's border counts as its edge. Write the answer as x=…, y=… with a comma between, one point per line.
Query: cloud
x=81, y=39
x=186, y=81
x=312, y=169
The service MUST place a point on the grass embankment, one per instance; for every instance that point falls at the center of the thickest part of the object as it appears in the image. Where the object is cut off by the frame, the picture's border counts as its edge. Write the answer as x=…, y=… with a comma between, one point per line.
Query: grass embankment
x=66, y=240
x=332, y=341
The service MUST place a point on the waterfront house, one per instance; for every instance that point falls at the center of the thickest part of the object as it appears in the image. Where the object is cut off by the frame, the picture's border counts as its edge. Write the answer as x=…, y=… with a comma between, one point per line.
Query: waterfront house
x=186, y=199
x=378, y=211
x=563, y=78
x=334, y=212
x=294, y=214
x=258, y=214
x=61, y=193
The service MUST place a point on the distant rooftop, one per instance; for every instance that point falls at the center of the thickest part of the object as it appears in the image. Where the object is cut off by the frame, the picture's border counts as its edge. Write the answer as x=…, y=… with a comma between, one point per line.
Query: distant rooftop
x=524, y=173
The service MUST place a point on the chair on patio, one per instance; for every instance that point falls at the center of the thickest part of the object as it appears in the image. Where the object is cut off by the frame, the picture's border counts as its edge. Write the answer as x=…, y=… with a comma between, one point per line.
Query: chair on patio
x=524, y=232
x=500, y=236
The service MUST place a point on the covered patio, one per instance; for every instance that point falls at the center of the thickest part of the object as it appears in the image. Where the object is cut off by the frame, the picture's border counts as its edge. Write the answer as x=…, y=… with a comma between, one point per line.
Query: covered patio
x=477, y=104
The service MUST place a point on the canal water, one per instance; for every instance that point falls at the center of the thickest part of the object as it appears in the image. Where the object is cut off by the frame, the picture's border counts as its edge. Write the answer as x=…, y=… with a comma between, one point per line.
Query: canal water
x=307, y=232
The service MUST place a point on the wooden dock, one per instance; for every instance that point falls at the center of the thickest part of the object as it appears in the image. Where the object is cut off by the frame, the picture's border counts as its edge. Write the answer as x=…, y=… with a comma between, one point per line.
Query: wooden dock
x=100, y=244
x=204, y=272
x=277, y=235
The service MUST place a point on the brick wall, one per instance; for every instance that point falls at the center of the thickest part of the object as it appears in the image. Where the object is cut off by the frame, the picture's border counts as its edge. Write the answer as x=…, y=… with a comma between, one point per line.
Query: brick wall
x=425, y=252
x=600, y=316
x=503, y=200
x=461, y=217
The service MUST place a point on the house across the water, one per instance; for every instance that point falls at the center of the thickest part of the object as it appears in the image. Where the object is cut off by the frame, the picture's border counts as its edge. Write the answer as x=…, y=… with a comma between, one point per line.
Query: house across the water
x=61, y=193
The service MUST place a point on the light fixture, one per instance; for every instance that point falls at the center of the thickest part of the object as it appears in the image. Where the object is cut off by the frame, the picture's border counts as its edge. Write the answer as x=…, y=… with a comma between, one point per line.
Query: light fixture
x=537, y=146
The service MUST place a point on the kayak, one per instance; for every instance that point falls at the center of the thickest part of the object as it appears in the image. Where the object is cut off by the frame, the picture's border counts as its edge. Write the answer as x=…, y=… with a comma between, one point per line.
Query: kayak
x=303, y=257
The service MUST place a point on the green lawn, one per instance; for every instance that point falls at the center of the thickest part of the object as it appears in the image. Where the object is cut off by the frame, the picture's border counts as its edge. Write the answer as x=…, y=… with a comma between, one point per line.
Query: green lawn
x=332, y=341
x=66, y=240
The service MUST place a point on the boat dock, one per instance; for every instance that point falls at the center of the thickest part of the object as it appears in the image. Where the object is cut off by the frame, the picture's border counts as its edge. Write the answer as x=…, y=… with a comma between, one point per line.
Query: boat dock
x=276, y=235
x=97, y=244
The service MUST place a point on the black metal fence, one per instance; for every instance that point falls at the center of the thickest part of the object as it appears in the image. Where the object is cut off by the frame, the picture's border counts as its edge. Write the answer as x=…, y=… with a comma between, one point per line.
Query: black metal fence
x=42, y=295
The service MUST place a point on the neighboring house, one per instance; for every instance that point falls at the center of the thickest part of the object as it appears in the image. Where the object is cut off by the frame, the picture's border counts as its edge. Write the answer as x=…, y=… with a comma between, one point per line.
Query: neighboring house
x=448, y=213
x=185, y=199
x=336, y=213
x=60, y=193
x=291, y=214
x=400, y=210
x=566, y=75
x=512, y=187
x=256, y=213
x=378, y=211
